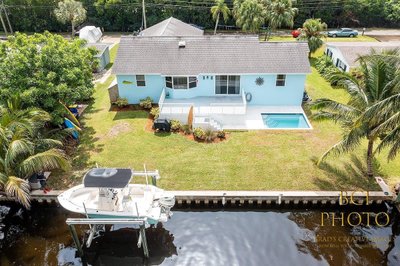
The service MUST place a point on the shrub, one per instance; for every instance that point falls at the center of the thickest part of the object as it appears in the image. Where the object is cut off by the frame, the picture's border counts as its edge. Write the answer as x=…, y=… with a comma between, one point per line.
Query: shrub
x=155, y=112
x=326, y=68
x=146, y=103
x=221, y=134
x=186, y=129
x=209, y=135
x=121, y=102
x=175, y=125
x=198, y=133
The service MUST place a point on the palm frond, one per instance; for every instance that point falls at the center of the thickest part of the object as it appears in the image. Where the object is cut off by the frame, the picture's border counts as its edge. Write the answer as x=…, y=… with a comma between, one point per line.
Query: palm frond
x=391, y=140
x=18, y=188
x=348, y=143
x=47, y=160
x=18, y=148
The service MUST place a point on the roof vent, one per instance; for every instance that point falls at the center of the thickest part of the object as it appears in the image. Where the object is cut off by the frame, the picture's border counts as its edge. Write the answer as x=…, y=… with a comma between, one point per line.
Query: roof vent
x=182, y=44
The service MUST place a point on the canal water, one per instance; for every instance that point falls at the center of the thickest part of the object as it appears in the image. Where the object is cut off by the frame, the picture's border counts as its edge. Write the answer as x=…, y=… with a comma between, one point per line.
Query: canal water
x=204, y=237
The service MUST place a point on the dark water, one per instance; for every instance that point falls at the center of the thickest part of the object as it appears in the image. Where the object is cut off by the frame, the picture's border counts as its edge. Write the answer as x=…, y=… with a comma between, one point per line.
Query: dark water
x=41, y=237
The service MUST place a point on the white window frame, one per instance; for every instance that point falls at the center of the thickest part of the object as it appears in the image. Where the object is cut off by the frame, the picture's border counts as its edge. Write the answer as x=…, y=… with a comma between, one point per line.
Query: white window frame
x=141, y=80
x=227, y=85
x=190, y=81
x=278, y=80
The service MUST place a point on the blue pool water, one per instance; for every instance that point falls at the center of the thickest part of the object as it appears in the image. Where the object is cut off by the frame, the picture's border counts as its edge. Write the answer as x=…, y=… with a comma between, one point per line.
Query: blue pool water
x=294, y=121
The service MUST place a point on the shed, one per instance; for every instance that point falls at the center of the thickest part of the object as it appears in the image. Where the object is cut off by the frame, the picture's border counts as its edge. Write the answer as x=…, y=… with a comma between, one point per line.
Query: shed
x=103, y=54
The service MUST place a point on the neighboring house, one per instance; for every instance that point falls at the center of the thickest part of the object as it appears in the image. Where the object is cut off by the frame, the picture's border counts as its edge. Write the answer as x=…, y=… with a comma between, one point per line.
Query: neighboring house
x=228, y=80
x=344, y=54
x=171, y=27
x=103, y=54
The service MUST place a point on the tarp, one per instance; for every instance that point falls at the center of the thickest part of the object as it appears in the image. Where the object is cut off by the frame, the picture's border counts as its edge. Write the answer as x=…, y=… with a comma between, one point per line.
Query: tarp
x=91, y=34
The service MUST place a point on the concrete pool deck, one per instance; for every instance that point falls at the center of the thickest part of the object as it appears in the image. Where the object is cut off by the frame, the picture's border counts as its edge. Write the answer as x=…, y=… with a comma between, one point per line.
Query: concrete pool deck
x=253, y=120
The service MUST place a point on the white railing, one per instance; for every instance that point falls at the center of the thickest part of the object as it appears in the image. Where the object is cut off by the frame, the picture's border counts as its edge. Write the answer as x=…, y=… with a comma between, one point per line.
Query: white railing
x=162, y=99
x=244, y=99
x=220, y=109
x=176, y=108
x=229, y=108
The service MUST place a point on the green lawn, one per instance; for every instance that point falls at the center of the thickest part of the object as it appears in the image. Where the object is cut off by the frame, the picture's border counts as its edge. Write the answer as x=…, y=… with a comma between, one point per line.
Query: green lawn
x=253, y=160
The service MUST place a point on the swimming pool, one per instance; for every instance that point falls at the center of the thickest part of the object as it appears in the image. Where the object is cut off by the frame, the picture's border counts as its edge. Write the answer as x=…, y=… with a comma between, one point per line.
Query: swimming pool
x=285, y=121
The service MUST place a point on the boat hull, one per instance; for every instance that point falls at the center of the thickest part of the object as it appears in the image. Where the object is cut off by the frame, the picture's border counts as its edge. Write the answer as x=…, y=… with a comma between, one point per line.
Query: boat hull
x=133, y=202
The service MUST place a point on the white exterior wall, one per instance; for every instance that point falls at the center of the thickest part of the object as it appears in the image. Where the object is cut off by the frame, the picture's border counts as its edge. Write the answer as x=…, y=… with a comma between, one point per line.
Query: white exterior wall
x=335, y=54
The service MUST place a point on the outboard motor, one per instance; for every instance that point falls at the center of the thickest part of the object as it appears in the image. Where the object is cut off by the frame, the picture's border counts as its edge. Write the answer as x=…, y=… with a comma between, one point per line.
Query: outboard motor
x=166, y=203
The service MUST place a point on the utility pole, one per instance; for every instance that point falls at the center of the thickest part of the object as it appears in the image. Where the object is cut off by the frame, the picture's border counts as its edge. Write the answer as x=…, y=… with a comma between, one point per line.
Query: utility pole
x=2, y=23
x=8, y=20
x=144, y=15
x=3, y=9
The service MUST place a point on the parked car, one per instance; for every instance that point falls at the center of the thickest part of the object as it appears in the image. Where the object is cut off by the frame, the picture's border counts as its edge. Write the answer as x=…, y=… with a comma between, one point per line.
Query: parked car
x=343, y=32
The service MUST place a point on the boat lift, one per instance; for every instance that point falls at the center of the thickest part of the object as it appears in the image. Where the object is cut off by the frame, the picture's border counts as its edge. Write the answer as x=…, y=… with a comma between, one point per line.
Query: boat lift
x=95, y=224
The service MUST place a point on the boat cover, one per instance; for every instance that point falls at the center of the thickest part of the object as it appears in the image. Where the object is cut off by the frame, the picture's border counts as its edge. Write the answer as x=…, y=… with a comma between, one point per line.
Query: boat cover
x=107, y=178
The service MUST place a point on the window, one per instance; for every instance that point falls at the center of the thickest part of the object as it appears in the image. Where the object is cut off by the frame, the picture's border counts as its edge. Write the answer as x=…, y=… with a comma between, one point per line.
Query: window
x=329, y=52
x=181, y=83
x=340, y=64
x=227, y=84
x=168, y=82
x=280, y=80
x=221, y=84
x=140, y=81
x=192, y=82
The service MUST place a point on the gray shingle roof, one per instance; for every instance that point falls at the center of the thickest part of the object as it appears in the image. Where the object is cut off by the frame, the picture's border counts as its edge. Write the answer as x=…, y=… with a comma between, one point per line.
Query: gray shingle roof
x=100, y=47
x=209, y=55
x=352, y=50
x=171, y=27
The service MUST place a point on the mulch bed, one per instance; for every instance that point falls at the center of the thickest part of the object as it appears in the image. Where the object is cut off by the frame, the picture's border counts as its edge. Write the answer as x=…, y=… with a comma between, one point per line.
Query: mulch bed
x=149, y=128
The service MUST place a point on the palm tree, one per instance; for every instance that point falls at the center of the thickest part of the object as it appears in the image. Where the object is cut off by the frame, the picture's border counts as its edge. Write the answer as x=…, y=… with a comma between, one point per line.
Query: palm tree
x=388, y=110
x=219, y=8
x=280, y=13
x=70, y=11
x=312, y=32
x=377, y=83
x=24, y=148
x=250, y=16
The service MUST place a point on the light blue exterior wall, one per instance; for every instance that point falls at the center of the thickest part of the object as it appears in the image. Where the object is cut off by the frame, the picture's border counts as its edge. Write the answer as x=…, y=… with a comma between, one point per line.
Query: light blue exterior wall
x=153, y=88
x=104, y=59
x=265, y=94
x=272, y=95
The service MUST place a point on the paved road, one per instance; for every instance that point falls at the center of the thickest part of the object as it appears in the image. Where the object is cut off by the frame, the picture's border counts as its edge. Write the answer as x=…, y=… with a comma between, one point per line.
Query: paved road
x=383, y=32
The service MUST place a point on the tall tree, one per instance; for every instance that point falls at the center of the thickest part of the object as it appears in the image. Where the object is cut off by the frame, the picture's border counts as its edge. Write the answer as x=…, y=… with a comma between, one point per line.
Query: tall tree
x=24, y=148
x=392, y=10
x=44, y=69
x=312, y=32
x=250, y=16
x=388, y=110
x=216, y=11
x=379, y=82
x=280, y=13
x=70, y=11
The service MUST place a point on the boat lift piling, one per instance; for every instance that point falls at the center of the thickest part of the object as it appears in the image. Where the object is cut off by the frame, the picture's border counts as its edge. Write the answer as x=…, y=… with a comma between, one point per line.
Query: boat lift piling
x=96, y=223
x=153, y=174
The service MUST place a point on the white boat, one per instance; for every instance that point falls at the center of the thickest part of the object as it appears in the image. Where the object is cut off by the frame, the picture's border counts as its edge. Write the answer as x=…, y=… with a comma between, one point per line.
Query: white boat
x=107, y=193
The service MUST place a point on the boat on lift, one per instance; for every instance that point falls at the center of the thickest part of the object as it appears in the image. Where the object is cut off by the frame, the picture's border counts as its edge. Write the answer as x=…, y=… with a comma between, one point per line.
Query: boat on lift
x=108, y=193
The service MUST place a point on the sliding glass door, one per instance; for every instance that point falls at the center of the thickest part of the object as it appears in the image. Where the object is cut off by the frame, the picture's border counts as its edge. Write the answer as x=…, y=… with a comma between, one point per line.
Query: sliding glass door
x=227, y=85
